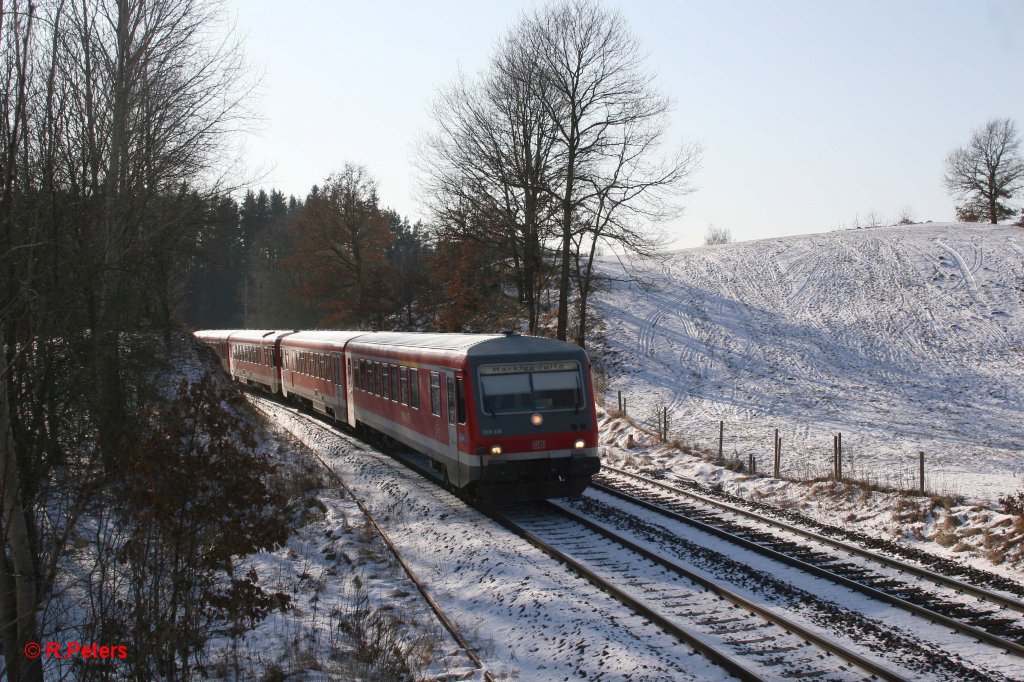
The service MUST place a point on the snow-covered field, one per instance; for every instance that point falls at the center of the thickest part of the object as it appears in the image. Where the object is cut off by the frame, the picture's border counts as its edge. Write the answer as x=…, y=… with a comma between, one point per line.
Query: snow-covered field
x=905, y=339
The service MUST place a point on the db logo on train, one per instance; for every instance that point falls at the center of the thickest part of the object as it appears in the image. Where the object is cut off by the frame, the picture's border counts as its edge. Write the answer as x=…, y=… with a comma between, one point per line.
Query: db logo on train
x=539, y=444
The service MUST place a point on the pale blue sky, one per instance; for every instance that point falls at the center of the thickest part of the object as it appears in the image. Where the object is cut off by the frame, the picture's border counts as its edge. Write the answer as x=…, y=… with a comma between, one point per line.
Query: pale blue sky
x=810, y=113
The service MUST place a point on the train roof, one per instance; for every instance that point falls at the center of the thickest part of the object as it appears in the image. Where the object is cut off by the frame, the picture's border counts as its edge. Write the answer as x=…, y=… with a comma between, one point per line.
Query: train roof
x=474, y=345
x=425, y=341
x=213, y=334
x=332, y=339
x=257, y=335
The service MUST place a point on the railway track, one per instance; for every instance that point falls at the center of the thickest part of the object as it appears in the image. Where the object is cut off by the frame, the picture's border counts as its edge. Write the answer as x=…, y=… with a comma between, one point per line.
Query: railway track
x=750, y=638
x=994, y=618
x=746, y=639
x=441, y=615
x=747, y=642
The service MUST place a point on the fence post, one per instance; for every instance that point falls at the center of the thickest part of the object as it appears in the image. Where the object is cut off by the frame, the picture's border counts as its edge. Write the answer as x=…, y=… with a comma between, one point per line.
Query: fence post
x=620, y=402
x=721, y=438
x=835, y=458
x=839, y=456
x=778, y=452
x=921, y=470
x=664, y=422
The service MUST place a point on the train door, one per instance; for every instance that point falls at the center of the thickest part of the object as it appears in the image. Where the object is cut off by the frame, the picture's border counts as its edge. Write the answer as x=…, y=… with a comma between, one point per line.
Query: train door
x=351, y=367
x=340, y=399
x=453, y=435
x=287, y=370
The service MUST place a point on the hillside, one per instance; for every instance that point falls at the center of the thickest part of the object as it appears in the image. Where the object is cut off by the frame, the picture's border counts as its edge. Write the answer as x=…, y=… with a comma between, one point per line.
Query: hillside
x=905, y=339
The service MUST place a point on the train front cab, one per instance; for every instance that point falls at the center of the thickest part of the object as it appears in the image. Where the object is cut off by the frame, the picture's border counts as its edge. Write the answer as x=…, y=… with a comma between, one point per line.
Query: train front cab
x=536, y=428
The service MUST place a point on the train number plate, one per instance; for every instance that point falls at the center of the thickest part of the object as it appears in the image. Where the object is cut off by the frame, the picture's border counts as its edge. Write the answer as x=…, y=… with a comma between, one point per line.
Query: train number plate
x=539, y=444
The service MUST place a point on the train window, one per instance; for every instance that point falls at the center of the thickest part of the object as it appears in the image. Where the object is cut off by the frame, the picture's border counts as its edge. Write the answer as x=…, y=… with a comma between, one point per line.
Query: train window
x=394, y=383
x=503, y=393
x=362, y=374
x=387, y=381
x=405, y=384
x=506, y=393
x=435, y=394
x=451, y=400
x=321, y=365
x=377, y=378
x=414, y=388
x=557, y=390
x=460, y=400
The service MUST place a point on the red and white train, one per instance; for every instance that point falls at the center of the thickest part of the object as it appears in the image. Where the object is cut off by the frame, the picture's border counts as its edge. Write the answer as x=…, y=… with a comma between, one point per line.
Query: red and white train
x=500, y=416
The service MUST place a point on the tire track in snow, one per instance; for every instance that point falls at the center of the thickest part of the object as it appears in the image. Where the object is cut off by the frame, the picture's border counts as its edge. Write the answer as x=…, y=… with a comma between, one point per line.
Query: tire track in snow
x=966, y=273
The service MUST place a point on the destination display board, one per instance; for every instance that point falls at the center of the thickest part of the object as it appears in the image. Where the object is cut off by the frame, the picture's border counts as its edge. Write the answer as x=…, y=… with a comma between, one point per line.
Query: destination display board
x=531, y=367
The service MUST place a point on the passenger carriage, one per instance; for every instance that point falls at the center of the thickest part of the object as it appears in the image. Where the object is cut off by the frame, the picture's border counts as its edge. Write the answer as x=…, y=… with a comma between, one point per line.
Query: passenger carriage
x=499, y=416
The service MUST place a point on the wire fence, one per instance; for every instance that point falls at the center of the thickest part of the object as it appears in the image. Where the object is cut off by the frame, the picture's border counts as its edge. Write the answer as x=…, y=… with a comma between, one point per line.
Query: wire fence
x=797, y=453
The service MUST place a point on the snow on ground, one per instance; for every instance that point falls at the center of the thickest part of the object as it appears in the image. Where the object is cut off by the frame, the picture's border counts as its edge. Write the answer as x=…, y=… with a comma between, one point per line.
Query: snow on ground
x=527, y=615
x=905, y=339
x=354, y=613
x=975, y=535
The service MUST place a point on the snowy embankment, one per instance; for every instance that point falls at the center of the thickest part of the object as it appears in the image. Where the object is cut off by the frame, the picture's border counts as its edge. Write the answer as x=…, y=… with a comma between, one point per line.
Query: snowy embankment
x=527, y=616
x=905, y=339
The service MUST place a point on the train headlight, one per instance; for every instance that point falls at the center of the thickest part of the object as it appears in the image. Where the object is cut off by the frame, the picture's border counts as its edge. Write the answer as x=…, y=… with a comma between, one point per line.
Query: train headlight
x=579, y=444
x=536, y=419
x=495, y=449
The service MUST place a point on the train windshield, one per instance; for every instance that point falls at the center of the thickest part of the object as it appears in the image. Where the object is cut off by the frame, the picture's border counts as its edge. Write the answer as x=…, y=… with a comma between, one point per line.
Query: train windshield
x=530, y=391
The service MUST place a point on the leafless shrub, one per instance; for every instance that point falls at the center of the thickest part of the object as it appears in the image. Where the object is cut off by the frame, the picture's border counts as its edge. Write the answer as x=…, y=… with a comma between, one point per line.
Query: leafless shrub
x=905, y=216
x=717, y=235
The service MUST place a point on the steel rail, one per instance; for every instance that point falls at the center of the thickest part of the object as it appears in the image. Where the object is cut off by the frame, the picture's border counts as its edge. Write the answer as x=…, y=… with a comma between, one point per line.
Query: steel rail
x=979, y=592
x=959, y=626
x=449, y=625
x=691, y=638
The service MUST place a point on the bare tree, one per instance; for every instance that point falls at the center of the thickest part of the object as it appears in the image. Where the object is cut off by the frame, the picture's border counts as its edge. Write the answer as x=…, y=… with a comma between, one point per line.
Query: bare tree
x=987, y=172
x=114, y=115
x=874, y=219
x=557, y=144
x=717, y=235
x=491, y=155
x=608, y=121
